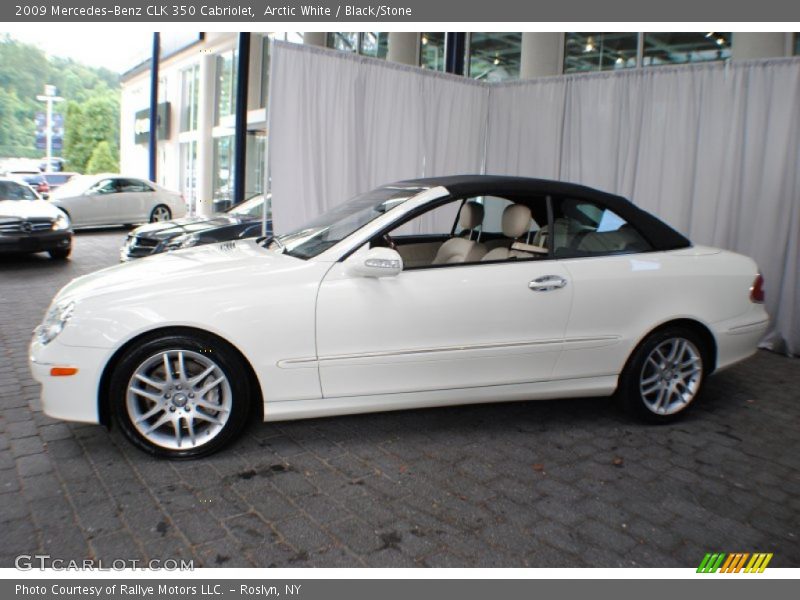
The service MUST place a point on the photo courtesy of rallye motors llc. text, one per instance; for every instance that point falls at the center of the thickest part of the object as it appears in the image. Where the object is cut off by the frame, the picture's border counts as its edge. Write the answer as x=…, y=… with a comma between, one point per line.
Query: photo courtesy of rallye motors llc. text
x=144, y=591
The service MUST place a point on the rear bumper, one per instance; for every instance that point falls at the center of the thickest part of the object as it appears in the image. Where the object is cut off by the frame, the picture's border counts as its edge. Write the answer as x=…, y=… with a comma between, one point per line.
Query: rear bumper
x=35, y=242
x=738, y=339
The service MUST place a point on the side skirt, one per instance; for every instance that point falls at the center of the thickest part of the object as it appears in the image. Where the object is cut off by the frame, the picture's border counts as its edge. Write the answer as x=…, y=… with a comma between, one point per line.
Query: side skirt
x=545, y=390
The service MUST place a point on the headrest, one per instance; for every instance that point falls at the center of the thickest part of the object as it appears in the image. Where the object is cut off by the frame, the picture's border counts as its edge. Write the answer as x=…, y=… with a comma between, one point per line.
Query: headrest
x=516, y=220
x=471, y=215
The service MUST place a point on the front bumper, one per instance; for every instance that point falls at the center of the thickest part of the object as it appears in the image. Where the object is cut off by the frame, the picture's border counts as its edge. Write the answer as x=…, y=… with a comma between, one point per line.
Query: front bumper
x=35, y=242
x=75, y=397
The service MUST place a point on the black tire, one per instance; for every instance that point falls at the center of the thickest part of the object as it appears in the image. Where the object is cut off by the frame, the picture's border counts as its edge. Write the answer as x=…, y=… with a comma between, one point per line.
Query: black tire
x=157, y=208
x=633, y=378
x=209, y=348
x=60, y=253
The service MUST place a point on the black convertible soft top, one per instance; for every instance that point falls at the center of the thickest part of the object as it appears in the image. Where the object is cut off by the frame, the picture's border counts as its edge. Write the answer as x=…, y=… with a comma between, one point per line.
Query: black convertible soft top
x=660, y=235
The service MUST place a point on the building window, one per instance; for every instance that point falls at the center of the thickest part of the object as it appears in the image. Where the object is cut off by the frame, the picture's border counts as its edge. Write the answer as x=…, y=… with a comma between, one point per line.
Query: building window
x=366, y=43
x=599, y=51
x=374, y=44
x=679, y=48
x=223, y=172
x=256, y=161
x=226, y=85
x=494, y=56
x=344, y=41
x=190, y=87
x=431, y=51
x=188, y=182
x=797, y=44
x=296, y=37
x=162, y=90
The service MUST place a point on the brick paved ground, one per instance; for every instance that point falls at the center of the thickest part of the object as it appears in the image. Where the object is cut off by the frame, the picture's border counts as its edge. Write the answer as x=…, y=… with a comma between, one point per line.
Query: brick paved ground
x=568, y=483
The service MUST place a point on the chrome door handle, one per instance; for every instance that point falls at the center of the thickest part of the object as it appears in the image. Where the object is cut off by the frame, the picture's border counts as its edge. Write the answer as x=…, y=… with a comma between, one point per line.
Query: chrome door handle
x=547, y=283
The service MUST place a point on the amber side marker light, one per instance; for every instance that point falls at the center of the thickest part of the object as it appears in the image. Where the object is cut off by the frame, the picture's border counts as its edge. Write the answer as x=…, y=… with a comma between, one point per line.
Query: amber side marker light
x=63, y=371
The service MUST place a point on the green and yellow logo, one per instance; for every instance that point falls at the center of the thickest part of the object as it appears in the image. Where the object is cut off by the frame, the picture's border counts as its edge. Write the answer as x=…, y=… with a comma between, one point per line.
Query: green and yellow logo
x=721, y=562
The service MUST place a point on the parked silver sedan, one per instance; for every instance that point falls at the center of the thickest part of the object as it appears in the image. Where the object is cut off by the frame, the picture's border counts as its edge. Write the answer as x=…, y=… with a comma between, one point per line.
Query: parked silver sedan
x=108, y=199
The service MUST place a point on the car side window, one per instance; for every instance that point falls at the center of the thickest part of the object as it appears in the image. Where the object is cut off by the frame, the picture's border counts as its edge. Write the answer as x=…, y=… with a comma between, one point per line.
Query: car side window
x=105, y=186
x=582, y=228
x=468, y=230
x=133, y=185
x=143, y=186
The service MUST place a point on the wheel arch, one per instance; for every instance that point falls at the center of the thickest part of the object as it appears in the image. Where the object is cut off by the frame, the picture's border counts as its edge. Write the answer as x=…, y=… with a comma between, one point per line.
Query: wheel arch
x=103, y=400
x=693, y=324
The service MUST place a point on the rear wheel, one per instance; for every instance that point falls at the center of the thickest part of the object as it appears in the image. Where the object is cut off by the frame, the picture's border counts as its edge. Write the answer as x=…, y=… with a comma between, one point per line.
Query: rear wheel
x=160, y=213
x=180, y=396
x=664, y=375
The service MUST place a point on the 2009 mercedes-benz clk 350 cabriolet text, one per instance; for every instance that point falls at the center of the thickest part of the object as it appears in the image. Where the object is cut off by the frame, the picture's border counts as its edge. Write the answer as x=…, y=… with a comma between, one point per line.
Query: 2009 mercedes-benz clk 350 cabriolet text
x=422, y=293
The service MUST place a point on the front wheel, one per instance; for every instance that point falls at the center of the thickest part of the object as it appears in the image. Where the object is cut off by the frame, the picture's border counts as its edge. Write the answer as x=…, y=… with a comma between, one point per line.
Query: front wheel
x=60, y=253
x=160, y=213
x=664, y=375
x=180, y=396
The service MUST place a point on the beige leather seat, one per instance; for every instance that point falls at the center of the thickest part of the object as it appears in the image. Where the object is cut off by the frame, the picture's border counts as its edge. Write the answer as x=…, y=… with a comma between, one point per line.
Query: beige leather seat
x=459, y=249
x=516, y=223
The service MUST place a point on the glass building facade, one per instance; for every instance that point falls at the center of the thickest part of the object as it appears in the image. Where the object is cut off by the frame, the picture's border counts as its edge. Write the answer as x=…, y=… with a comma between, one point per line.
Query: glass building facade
x=596, y=51
x=431, y=51
x=494, y=56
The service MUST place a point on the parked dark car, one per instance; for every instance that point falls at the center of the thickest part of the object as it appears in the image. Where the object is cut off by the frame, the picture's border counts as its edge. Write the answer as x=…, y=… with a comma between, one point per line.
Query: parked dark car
x=29, y=224
x=56, y=180
x=56, y=164
x=239, y=222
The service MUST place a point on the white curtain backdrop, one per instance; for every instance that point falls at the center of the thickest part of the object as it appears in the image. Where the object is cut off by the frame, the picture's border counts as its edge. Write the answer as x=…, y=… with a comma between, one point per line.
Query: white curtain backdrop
x=342, y=124
x=714, y=150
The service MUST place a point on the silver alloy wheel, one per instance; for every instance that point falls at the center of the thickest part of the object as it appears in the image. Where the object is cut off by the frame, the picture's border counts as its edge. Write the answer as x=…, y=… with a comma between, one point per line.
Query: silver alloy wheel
x=179, y=399
x=671, y=376
x=160, y=213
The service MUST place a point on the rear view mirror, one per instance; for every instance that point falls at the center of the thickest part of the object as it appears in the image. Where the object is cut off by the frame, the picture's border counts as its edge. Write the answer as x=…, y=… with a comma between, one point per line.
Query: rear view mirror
x=376, y=262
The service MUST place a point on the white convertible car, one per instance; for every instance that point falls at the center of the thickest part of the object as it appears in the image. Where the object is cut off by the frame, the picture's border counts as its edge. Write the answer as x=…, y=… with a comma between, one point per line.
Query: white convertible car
x=422, y=293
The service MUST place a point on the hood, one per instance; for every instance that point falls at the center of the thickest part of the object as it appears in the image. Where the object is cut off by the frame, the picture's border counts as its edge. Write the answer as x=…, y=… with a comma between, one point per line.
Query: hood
x=187, y=225
x=191, y=272
x=28, y=209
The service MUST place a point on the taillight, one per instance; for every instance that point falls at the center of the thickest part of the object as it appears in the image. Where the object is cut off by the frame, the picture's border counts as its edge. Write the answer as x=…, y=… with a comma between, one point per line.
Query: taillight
x=757, y=290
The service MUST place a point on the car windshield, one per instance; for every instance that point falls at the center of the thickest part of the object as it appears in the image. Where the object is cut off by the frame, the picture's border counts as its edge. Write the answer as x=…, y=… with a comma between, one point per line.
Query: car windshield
x=249, y=208
x=15, y=191
x=332, y=227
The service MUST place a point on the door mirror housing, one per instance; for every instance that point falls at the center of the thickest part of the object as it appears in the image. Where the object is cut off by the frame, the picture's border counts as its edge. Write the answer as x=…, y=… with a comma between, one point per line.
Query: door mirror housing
x=376, y=262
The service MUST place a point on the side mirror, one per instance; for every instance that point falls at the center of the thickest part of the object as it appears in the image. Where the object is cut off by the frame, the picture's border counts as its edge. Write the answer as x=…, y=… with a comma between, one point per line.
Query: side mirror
x=376, y=262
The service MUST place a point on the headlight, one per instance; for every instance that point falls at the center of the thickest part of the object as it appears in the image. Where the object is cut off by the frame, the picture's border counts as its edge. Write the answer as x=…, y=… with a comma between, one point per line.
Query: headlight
x=182, y=241
x=61, y=223
x=54, y=322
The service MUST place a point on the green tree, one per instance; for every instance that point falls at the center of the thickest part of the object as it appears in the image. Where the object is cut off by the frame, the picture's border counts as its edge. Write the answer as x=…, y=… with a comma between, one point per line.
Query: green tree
x=88, y=124
x=102, y=160
x=15, y=126
x=91, y=111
